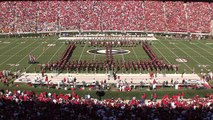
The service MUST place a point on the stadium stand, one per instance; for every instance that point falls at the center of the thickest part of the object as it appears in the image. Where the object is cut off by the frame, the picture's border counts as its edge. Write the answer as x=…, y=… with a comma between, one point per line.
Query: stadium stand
x=19, y=104
x=176, y=21
x=133, y=18
x=7, y=16
x=47, y=15
x=68, y=15
x=198, y=16
x=25, y=17
x=112, y=15
x=154, y=16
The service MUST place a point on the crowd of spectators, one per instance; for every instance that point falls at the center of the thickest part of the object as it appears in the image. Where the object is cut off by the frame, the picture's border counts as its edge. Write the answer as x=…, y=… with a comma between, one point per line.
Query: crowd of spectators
x=154, y=16
x=176, y=21
x=19, y=104
x=133, y=18
x=7, y=16
x=47, y=15
x=90, y=12
x=112, y=15
x=198, y=16
x=173, y=16
x=25, y=19
x=69, y=18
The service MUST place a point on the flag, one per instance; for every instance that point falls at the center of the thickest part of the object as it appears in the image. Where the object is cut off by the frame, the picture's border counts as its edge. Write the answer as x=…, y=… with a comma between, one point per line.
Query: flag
x=33, y=59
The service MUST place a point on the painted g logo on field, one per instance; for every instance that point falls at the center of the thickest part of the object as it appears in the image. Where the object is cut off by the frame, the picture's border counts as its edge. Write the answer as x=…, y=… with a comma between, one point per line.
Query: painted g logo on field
x=103, y=51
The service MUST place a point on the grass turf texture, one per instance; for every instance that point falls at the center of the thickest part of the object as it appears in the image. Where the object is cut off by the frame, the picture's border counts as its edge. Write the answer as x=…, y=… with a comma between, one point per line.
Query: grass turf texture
x=199, y=54
x=16, y=50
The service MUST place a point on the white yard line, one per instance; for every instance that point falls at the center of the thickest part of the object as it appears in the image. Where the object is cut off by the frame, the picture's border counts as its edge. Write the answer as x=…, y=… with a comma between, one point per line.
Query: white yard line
x=82, y=52
x=41, y=55
x=8, y=44
x=162, y=54
x=205, y=44
x=15, y=46
x=95, y=54
x=55, y=53
x=188, y=55
x=17, y=52
x=135, y=54
x=197, y=53
x=204, y=49
x=122, y=56
x=94, y=57
x=26, y=55
x=174, y=54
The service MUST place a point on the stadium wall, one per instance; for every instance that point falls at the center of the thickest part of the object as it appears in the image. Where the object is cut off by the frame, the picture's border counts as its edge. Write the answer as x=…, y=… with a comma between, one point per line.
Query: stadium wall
x=71, y=33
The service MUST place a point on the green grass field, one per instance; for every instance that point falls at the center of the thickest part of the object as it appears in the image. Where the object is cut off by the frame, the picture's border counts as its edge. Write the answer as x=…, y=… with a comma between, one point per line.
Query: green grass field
x=14, y=53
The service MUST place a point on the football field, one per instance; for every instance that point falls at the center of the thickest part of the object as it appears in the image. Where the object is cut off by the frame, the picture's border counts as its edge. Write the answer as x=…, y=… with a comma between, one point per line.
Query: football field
x=189, y=55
